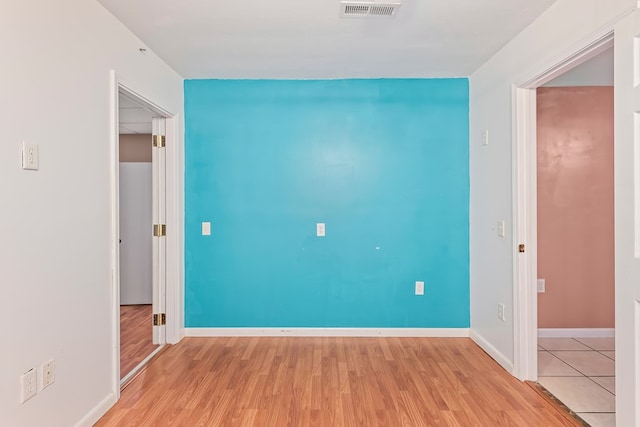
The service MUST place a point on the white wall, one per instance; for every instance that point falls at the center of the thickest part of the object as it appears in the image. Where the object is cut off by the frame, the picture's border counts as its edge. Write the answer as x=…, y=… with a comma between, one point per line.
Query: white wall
x=55, y=223
x=597, y=71
x=549, y=39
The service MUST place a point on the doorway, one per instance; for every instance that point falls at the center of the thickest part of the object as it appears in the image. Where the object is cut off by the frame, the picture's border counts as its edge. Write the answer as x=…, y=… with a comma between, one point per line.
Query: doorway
x=136, y=222
x=575, y=235
x=142, y=232
x=525, y=265
x=626, y=196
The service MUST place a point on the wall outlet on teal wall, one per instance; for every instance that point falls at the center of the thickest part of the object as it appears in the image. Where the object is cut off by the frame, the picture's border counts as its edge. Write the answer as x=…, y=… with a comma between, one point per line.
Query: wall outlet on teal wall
x=419, y=288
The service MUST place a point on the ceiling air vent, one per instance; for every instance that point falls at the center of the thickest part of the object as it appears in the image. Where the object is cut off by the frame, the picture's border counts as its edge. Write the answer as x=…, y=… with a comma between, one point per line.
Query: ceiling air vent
x=361, y=9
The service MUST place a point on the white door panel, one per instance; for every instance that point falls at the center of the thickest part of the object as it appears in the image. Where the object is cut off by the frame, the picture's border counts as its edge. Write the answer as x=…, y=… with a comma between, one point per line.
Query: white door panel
x=135, y=238
x=159, y=217
x=627, y=218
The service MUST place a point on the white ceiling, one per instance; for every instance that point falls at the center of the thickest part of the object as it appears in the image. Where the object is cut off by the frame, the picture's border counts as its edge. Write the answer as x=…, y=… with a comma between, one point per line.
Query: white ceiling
x=308, y=39
x=133, y=118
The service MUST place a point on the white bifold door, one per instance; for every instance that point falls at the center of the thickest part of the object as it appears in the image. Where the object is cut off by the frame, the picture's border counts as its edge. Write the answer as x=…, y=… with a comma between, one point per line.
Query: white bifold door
x=159, y=232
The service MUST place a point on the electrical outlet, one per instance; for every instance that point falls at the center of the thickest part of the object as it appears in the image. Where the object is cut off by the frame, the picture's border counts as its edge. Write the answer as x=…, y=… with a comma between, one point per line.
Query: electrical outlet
x=541, y=286
x=48, y=374
x=28, y=385
x=419, y=288
x=30, y=156
x=320, y=229
x=501, y=309
x=206, y=229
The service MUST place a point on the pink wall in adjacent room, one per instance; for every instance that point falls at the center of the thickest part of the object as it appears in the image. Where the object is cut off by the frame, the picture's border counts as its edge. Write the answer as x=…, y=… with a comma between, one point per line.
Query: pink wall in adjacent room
x=135, y=148
x=575, y=207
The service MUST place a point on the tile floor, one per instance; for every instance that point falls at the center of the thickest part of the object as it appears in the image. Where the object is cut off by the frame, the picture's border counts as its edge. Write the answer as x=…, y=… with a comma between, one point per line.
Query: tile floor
x=580, y=372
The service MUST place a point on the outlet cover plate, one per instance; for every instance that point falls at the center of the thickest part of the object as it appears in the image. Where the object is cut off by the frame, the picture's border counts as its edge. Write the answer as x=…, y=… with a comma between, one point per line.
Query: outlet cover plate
x=48, y=373
x=28, y=385
x=419, y=288
x=206, y=229
x=30, y=156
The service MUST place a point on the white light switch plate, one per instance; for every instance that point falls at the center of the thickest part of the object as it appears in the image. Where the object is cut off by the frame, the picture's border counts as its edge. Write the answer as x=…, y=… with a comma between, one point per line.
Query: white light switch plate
x=206, y=228
x=485, y=137
x=320, y=229
x=501, y=228
x=501, y=314
x=30, y=157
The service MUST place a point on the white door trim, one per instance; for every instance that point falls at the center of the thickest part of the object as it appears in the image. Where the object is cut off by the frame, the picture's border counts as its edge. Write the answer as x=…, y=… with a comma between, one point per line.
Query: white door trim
x=525, y=319
x=174, y=220
x=525, y=297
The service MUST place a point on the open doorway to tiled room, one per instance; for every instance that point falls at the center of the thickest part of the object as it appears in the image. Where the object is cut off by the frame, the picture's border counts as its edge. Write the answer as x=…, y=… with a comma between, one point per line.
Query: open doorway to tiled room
x=575, y=217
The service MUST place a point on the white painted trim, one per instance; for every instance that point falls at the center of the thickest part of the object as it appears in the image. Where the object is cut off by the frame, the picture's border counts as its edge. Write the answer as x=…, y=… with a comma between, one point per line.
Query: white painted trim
x=525, y=298
x=492, y=351
x=525, y=319
x=175, y=223
x=598, y=43
x=98, y=411
x=114, y=184
x=327, y=332
x=576, y=332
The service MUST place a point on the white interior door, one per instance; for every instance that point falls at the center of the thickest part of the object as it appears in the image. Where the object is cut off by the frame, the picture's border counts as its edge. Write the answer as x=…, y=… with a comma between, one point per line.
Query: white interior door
x=627, y=218
x=159, y=229
x=135, y=239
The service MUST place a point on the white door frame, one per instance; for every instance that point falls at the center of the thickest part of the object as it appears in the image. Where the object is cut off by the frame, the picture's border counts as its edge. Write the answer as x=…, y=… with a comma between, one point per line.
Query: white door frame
x=525, y=230
x=174, y=220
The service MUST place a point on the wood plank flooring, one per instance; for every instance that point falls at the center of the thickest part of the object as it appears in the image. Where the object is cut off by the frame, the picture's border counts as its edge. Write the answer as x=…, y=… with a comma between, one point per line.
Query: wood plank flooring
x=289, y=381
x=135, y=336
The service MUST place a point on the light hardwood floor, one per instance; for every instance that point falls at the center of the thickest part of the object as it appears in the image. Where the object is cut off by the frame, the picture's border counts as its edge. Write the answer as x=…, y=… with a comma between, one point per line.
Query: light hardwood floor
x=135, y=336
x=329, y=382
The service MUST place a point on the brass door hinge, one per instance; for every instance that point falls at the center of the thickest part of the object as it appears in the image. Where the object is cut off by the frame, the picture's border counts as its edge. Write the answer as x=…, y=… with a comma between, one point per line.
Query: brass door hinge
x=159, y=141
x=159, y=230
x=521, y=248
x=159, y=319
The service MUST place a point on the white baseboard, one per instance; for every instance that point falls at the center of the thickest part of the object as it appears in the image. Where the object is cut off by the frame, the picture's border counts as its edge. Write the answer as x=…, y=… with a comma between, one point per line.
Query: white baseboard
x=98, y=411
x=576, y=332
x=492, y=351
x=327, y=332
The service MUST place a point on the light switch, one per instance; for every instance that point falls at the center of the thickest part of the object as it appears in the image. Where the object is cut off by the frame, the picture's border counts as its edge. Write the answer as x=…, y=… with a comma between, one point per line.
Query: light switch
x=30, y=156
x=501, y=228
x=541, y=286
x=206, y=228
x=320, y=229
x=485, y=137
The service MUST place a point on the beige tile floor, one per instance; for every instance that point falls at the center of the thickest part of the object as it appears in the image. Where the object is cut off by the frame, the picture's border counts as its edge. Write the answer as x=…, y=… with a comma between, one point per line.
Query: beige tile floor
x=580, y=372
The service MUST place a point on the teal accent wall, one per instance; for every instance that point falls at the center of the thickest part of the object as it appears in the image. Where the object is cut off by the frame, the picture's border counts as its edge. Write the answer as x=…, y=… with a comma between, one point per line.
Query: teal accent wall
x=384, y=163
